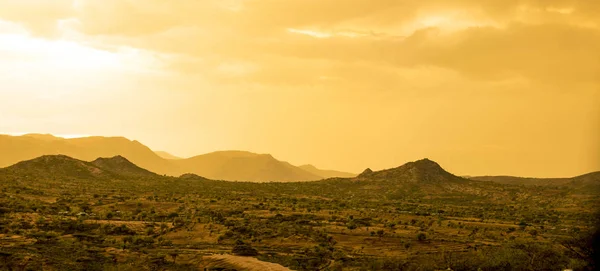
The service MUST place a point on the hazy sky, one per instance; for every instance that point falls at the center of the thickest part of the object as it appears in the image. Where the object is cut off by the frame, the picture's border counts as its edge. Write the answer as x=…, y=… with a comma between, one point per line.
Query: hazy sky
x=482, y=87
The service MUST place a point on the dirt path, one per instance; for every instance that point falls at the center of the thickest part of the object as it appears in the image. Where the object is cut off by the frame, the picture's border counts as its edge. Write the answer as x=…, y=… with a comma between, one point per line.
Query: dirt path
x=240, y=263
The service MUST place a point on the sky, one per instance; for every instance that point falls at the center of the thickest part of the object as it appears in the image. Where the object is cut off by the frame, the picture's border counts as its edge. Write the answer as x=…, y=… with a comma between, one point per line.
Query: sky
x=497, y=87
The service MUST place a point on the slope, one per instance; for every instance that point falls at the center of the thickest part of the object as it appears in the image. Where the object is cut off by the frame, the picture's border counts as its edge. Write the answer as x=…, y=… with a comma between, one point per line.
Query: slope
x=123, y=167
x=327, y=173
x=166, y=155
x=56, y=167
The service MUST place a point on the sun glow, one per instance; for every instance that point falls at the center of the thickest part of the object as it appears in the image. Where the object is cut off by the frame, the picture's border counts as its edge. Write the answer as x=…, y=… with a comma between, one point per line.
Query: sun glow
x=58, y=54
x=68, y=136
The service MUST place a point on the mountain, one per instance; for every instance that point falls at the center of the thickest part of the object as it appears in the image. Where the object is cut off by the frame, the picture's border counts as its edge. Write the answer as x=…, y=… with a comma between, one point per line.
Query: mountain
x=326, y=173
x=166, y=155
x=224, y=165
x=245, y=166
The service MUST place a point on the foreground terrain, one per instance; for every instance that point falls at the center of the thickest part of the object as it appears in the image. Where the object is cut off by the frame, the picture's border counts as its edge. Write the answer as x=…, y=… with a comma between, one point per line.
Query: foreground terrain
x=59, y=213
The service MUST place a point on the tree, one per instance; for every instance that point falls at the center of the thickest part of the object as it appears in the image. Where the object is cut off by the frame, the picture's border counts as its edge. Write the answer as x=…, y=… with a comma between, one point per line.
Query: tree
x=243, y=249
x=174, y=255
x=421, y=236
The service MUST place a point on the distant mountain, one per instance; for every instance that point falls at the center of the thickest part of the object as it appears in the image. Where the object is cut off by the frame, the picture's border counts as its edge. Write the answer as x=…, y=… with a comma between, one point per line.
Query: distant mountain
x=20, y=148
x=225, y=165
x=590, y=179
x=167, y=155
x=64, y=167
x=245, y=166
x=327, y=173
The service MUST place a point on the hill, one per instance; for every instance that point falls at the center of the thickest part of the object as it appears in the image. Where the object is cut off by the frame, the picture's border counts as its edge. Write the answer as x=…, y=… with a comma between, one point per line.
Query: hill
x=56, y=167
x=422, y=171
x=327, y=173
x=123, y=167
x=64, y=167
x=422, y=178
x=66, y=214
x=224, y=165
x=166, y=155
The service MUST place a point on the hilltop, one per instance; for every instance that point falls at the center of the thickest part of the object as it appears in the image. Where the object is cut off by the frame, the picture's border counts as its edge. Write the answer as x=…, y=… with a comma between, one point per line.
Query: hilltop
x=122, y=167
x=56, y=167
x=422, y=171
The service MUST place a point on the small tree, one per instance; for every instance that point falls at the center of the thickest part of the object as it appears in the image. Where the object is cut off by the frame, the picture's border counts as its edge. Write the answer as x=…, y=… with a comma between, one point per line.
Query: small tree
x=421, y=236
x=243, y=249
x=174, y=255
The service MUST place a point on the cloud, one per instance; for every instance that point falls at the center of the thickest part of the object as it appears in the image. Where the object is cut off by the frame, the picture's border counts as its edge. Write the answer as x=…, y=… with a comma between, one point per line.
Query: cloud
x=39, y=16
x=301, y=42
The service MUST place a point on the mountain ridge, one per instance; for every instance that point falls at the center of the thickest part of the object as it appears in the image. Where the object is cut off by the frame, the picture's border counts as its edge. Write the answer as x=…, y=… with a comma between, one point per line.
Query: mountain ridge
x=223, y=165
x=424, y=177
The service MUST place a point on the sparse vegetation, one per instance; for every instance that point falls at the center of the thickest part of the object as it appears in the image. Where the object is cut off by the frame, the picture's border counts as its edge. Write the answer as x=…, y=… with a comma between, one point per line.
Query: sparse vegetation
x=416, y=217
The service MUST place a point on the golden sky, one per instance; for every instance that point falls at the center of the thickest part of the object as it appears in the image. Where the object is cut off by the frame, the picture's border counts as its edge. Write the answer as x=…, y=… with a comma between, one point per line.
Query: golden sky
x=482, y=87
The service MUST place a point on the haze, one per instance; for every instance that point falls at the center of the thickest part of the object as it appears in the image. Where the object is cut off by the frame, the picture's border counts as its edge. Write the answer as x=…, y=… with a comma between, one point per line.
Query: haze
x=483, y=87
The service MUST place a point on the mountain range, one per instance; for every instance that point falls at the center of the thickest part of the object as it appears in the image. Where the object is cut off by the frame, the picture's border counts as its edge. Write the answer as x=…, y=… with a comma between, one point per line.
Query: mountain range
x=222, y=165
x=127, y=155
x=423, y=177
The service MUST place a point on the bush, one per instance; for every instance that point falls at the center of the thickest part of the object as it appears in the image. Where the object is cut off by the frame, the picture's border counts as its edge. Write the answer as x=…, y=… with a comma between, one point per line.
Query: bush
x=243, y=249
